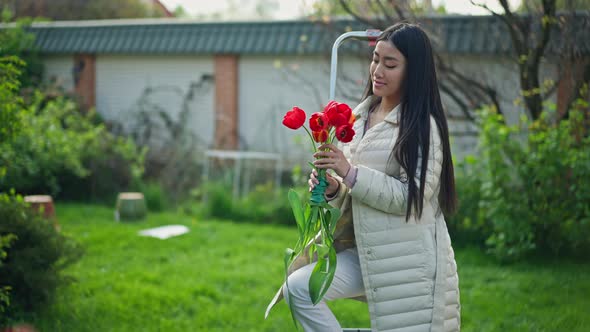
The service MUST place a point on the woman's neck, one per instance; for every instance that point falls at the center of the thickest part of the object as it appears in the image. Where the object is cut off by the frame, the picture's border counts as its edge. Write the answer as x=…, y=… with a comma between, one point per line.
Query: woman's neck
x=388, y=104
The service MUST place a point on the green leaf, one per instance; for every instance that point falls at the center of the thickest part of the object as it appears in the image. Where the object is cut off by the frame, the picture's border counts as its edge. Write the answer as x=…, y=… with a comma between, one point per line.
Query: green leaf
x=322, y=276
x=322, y=249
x=332, y=216
x=288, y=259
x=289, y=254
x=297, y=208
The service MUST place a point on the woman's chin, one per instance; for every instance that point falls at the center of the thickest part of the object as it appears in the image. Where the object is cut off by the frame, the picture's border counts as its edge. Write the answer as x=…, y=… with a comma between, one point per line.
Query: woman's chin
x=378, y=92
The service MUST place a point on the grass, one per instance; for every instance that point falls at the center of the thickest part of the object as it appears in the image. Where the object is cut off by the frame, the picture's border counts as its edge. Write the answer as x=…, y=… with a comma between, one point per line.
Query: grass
x=221, y=275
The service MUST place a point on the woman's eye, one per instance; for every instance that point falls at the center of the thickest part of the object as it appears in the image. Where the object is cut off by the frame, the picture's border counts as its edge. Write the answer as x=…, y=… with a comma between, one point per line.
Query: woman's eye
x=390, y=67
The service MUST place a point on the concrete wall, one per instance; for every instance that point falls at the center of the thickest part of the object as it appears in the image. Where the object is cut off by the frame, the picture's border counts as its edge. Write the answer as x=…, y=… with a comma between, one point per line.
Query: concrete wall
x=247, y=96
x=270, y=86
x=122, y=80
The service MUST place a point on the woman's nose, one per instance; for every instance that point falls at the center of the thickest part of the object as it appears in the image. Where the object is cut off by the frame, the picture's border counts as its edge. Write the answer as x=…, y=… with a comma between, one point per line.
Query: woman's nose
x=378, y=72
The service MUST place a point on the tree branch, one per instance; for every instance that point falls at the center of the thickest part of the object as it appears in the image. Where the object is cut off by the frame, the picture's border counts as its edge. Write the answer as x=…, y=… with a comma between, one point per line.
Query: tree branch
x=511, y=22
x=356, y=16
x=458, y=100
x=547, y=22
x=381, y=9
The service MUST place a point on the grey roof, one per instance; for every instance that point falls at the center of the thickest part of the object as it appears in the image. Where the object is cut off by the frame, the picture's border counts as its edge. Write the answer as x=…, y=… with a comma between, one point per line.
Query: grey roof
x=451, y=34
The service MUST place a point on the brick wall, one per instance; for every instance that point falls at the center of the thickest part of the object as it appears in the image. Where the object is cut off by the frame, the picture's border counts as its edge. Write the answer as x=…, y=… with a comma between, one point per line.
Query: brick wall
x=226, y=102
x=85, y=79
x=572, y=74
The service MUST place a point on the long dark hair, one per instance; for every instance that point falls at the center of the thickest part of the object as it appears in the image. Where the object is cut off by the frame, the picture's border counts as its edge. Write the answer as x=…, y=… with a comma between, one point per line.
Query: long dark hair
x=421, y=99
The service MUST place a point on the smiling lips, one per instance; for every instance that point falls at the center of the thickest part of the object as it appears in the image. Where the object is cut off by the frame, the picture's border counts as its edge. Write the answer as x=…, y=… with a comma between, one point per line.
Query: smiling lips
x=378, y=84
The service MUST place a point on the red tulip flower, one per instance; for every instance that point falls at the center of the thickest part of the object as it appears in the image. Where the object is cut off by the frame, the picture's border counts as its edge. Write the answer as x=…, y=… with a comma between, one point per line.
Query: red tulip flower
x=345, y=133
x=320, y=136
x=338, y=113
x=315, y=216
x=318, y=122
x=295, y=118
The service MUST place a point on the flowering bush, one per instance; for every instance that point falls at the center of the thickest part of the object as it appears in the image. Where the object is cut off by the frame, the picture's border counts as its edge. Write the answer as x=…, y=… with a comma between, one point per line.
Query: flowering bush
x=316, y=219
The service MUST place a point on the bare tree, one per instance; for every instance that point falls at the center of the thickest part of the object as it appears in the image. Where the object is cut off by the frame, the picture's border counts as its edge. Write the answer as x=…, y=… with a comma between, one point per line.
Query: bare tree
x=539, y=29
x=531, y=34
x=467, y=93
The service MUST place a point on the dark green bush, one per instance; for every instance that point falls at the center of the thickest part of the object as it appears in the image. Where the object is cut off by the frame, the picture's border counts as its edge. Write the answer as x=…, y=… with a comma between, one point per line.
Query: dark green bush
x=5, y=241
x=10, y=102
x=16, y=41
x=62, y=150
x=467, y=226
x=526, y=191
x=264, y=204
x=156, y=198
x=35, y=259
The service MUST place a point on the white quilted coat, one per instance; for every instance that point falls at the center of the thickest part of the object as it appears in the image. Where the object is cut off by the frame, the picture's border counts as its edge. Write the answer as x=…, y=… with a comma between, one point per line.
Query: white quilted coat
x=408, y=268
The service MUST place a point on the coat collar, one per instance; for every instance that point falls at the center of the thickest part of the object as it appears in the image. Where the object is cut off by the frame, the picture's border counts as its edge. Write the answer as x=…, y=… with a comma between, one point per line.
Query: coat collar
x=362, y=110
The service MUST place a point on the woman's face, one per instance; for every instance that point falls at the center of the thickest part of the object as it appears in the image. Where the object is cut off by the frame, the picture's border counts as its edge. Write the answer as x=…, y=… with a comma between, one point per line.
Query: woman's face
x=387, y=70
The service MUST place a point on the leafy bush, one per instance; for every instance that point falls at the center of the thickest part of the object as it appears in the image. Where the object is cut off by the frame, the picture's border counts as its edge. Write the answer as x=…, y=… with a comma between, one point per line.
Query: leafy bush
x=10, y=102
x=156, y=198
x=264, y=204
x=530, y=184
x=468, y=225
x=5, y=241
x=35, y=259
x=16, y=41
x=61, y=149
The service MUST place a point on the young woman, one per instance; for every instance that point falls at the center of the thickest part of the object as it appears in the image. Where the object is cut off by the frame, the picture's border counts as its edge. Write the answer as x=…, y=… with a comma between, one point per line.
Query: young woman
x=394, y=179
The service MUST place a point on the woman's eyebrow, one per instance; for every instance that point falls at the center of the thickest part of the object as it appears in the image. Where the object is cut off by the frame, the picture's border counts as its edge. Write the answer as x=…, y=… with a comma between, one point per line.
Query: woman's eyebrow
x=387, y=57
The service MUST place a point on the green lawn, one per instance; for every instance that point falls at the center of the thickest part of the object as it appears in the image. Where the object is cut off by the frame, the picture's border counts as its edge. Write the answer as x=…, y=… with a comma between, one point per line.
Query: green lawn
x=221, y=275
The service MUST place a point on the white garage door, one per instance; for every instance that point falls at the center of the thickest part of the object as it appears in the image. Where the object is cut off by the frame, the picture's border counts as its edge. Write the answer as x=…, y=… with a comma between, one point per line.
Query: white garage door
x=127, y=85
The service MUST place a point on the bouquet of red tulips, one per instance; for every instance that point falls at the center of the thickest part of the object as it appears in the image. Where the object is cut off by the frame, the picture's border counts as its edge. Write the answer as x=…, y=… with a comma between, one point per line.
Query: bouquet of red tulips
x=316, y=219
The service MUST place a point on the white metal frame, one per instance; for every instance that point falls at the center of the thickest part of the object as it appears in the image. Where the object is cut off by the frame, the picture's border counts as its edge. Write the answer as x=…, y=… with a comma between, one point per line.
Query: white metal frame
x=370, y=35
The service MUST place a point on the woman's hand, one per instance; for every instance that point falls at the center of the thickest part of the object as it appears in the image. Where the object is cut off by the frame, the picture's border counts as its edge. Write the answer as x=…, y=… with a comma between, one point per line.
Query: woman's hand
x=333, y=159
x=332, y=183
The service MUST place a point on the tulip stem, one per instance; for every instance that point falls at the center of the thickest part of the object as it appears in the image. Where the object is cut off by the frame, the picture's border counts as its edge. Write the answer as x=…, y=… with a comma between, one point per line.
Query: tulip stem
x=311, y=138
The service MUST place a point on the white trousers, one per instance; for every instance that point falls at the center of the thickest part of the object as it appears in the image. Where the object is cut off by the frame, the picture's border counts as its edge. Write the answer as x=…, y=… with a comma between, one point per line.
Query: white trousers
x=347, y=283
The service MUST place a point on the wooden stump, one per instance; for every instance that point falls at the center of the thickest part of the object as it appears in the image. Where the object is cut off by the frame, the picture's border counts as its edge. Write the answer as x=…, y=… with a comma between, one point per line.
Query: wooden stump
x=20, y=328
x=130, y=207
x=44, y=205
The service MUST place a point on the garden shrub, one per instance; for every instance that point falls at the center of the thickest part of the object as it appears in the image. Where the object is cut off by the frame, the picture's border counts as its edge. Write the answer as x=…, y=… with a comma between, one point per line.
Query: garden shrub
x=467, y=226
x=530, y=180
x=5, y=241
x=18, y=42
x=264, y=204
x=155, y=196
x=62, y=150
x=10, y=102
x=35, y=258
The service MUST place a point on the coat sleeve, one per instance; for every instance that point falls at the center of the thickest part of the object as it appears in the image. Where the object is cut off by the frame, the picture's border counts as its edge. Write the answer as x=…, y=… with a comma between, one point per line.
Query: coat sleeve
x=389, y=194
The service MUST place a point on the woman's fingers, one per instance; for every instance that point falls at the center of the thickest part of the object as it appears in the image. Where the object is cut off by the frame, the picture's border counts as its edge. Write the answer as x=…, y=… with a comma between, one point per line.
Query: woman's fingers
x=329, y=156
x=313, y=176
x=313, y=181
x=331, y=147
x=322, y=163
x=323, y=154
